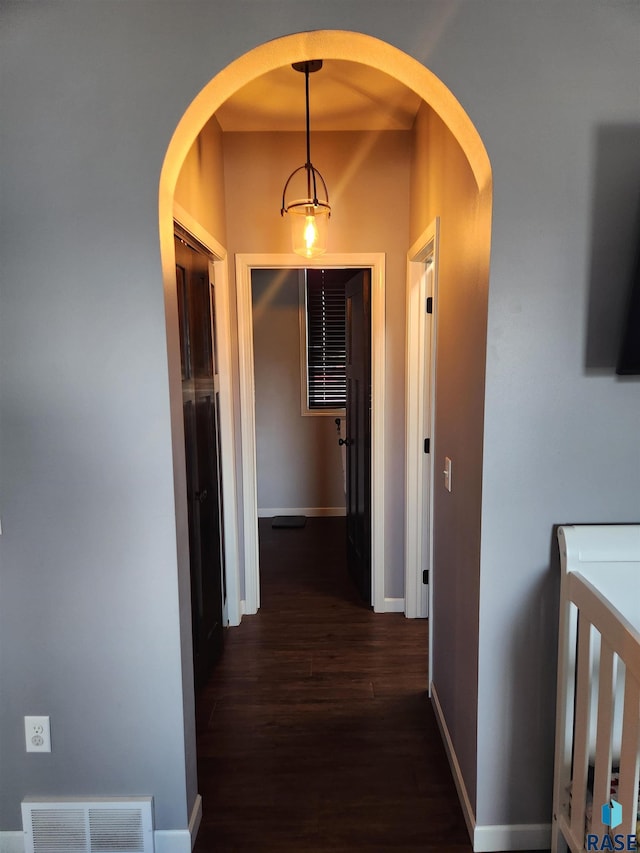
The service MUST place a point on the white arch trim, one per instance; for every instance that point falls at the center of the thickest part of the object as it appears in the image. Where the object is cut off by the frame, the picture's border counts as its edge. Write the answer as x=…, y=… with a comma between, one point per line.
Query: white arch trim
x=330, y=44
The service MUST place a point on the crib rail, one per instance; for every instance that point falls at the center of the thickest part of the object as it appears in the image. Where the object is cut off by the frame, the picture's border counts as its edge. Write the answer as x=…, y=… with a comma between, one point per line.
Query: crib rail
x=617, y=637
x=597, y=621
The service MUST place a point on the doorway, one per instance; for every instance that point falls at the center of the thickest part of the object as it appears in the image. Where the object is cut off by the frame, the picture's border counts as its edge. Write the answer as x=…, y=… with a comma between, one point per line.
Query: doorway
x=444, y=118
x=406, y=71
x=245, y=265
x=312, y=378
x=195, y=233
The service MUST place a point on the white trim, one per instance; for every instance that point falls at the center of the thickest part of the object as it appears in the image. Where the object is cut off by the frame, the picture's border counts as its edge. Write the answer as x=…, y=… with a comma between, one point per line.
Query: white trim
x=172, y=841
x=11, y=842
x=192, y=226
x=195, y=819
x=465, y=802
x=248, y=436
x=420, y=350
x=309, y=511
x=244, y=264
x=378, y=366
x=227, y=419
x=515, y=836
x=488, y=839
x=394, y=605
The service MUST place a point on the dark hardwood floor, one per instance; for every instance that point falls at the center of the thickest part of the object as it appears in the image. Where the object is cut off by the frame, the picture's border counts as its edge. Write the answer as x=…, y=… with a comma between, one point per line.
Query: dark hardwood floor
x=315, y=732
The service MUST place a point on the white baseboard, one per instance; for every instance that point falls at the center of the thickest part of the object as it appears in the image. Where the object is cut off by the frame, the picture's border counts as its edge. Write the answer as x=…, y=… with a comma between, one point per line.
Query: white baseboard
x=11, y=842
x=194, y=820
x=309, y=511
x=525, y=836
x=394, y=605
x=391, y=605
x=488, y=839
x=465, y=802
x=172, y=841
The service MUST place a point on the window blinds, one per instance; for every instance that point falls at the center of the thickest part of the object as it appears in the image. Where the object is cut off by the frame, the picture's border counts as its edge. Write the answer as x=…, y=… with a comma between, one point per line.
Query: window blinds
x=326, y=349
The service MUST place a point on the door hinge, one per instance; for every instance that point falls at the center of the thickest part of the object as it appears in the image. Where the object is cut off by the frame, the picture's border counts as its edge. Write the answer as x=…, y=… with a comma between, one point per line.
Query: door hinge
x=427, y=445
x=429, y=304
x=425, y=576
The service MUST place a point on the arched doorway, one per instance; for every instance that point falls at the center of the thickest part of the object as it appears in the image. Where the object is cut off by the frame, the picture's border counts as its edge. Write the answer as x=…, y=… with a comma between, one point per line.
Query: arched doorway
x=330, y=45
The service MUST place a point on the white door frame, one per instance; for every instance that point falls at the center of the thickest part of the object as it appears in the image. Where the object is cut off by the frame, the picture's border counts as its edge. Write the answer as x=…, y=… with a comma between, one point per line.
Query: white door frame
x=422, y=275
x=245, y=263
x=227, y=427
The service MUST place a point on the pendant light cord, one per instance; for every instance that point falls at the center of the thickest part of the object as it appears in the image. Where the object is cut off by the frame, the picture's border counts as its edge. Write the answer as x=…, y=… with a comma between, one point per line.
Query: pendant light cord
x=311, y=175
x=311, y=206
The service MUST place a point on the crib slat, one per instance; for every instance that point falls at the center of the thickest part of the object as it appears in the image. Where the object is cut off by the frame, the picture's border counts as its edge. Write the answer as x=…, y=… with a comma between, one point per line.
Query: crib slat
x=606, y=681
x=582, y=724
x=629, y=756
x=566, y=683
x=608, y=621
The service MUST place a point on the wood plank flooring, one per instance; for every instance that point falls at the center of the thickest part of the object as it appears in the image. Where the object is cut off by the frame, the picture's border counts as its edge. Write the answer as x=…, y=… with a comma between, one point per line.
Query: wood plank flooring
x=315, y=732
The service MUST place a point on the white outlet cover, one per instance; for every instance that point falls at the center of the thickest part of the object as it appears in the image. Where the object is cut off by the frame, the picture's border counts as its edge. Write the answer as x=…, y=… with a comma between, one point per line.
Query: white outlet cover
x=37, y=733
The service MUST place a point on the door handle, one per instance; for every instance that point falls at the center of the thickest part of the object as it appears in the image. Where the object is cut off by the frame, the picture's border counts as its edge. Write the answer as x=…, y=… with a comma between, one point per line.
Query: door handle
x=346, y=441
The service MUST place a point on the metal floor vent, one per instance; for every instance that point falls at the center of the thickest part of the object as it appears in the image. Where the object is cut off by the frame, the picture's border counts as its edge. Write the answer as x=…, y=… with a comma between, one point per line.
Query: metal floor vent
x=114, y=825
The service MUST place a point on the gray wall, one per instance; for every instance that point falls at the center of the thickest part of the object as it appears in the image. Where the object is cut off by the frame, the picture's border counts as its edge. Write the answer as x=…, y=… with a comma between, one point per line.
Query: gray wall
x=443, y=186
x=298, y=458
x=89, y=629
x=561, y=435
x=89, y=600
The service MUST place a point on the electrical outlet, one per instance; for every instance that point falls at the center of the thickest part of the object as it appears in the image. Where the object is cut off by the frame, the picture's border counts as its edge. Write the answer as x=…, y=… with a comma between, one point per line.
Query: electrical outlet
x=37, y=734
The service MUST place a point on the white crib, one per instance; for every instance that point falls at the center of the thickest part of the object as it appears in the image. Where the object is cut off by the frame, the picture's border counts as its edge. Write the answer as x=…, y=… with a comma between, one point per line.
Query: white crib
x=598, y=700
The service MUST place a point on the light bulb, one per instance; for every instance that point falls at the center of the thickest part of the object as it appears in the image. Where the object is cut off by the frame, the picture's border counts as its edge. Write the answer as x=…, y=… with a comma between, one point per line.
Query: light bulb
x=310, y=233
x=308, y=228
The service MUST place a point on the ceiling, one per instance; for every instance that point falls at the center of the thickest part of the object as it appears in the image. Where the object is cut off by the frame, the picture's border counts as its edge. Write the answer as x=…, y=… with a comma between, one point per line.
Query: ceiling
x=342, y=95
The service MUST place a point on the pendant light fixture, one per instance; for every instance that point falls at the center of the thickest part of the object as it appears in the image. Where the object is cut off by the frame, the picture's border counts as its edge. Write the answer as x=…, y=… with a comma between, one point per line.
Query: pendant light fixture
x=308, y=216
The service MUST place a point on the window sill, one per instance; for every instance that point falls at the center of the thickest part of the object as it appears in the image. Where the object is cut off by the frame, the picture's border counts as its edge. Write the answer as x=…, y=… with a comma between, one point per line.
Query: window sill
x=333, y=413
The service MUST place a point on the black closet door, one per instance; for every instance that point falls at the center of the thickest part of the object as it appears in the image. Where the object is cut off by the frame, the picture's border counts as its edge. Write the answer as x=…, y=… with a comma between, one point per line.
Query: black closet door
x=204, y=492
x=358, y=463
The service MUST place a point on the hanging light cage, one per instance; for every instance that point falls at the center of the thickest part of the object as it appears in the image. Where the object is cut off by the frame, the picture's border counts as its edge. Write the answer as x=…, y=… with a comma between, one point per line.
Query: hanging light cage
x=308, y=216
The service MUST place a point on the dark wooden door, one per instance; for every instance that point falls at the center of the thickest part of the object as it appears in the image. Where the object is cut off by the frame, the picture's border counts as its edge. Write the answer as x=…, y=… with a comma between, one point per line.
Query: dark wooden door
x=358, y=429
x=204, y=492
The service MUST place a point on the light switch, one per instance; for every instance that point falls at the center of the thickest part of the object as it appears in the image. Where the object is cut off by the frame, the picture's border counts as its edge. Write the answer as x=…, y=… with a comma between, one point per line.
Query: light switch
x=447, y=473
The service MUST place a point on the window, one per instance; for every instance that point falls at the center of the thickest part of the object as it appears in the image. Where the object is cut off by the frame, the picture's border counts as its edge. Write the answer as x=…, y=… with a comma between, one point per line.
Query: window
x=322, y=337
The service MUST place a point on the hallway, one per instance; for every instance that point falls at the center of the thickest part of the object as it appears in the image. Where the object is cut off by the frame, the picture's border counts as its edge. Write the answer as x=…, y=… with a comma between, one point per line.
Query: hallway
x=315, y=732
